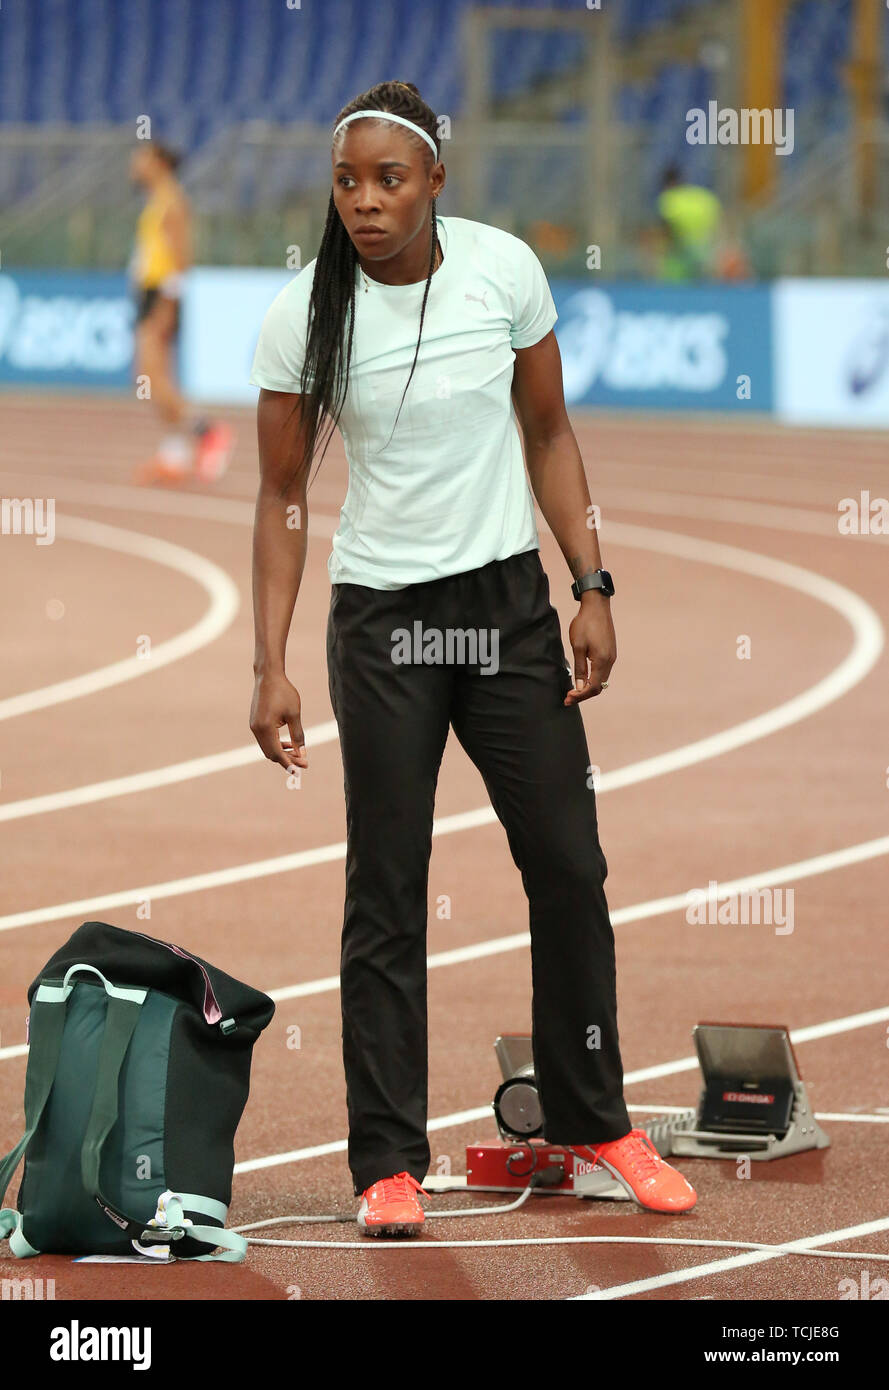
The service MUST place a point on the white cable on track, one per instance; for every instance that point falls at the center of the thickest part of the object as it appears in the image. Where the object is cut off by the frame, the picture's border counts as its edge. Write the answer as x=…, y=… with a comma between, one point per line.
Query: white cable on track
x=802, y=1247
x=520, y=1201
x=414, y=1243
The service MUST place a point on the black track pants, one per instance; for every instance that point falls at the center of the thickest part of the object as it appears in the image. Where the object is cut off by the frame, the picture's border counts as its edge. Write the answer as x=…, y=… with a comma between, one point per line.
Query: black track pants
x=504, y=701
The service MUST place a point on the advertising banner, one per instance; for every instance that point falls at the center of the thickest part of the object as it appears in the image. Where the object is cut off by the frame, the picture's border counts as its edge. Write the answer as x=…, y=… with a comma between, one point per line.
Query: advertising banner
x=634, y=347
x=832, y=352
x=65, y=328
x=660, y=347
x=222, y=315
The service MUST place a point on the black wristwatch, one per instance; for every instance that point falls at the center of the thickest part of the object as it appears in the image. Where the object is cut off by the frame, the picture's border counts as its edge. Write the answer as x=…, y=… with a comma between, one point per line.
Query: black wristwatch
x=601, y=579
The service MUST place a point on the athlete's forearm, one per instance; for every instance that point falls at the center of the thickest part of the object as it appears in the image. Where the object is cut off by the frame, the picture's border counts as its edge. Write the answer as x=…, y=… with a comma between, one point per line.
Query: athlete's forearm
x=559, y=484
x=279, y=557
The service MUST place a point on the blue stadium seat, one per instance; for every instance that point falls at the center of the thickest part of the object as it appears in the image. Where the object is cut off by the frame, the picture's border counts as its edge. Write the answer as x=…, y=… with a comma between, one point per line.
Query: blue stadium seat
x=107, y=61
x=196, y=68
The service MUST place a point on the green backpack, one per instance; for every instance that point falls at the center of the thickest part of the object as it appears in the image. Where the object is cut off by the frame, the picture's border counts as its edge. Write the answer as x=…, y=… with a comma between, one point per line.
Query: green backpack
x=138, y=1073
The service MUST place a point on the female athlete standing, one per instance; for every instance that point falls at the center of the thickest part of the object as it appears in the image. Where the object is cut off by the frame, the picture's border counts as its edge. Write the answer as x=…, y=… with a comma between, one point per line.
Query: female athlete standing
x=161, y=259
x=437, y=537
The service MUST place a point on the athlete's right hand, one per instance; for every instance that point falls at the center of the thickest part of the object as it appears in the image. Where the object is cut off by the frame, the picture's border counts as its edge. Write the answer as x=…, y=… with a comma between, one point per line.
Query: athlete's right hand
x=275, y=704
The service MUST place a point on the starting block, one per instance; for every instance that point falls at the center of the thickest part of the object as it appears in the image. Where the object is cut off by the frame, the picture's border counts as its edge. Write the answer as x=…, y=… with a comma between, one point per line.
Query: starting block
x=509, y=1163
x=753, y=1103
x=500, y=1166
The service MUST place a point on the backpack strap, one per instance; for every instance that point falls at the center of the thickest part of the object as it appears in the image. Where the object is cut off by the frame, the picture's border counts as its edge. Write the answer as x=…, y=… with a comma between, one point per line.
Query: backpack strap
x=43, y=1059
x=170, y=1216
x=48, y=1012
x=120, y=1023
x=121, y=1018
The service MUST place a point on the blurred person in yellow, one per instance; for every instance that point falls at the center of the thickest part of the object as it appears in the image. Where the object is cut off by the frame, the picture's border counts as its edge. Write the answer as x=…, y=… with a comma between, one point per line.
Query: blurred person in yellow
x=691, y=220
x=162, y=255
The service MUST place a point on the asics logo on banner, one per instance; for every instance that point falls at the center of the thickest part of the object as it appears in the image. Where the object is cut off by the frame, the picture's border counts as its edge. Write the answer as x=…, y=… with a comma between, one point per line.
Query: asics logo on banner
x=639, y=350
x=868, y=356
x=50, y=331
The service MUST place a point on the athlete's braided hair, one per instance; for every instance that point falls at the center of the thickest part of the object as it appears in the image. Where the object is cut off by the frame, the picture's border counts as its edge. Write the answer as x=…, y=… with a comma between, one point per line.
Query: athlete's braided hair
x=332, y=299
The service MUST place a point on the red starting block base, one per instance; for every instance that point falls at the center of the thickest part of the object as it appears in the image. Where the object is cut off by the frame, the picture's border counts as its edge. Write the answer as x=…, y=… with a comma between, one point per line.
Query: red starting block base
x=498, y=1166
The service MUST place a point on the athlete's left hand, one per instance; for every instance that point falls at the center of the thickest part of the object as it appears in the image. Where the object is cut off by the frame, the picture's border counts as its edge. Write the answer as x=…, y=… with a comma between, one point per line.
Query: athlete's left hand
x=594, y=645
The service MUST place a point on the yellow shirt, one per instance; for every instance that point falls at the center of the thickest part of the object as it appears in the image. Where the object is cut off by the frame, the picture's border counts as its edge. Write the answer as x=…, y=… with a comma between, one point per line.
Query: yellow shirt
x=154, y=256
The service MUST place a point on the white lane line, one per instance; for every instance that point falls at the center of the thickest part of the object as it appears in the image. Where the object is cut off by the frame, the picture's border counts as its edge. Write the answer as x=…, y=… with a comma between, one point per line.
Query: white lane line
x=470, y=819
x=704, y=1271
x=134, y=499
x=483, y=1112
x=869, y=640
x=848, y=1024
x=443, y=825
x=814, y=1032
x=157, y=777
x=841, y=1116
x=844, y=1117
x=771, y=516
x=865, y=651
x=335, y=1146
x=224, y=604
x=638, y=912
x=867, y=645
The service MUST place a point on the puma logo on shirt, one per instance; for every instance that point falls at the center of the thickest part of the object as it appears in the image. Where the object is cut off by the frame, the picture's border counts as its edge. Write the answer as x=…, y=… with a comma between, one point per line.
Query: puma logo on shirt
x=479, y=298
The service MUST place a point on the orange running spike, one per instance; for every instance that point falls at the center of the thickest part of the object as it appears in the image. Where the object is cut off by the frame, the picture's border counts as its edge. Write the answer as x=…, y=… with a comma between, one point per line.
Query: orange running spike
x=391, y=1207
x=159, y=472
x=213, y=453
x=639, y=1168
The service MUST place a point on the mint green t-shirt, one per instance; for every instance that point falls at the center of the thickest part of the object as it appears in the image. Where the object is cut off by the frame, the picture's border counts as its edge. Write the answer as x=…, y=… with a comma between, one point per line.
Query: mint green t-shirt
x=448, y=492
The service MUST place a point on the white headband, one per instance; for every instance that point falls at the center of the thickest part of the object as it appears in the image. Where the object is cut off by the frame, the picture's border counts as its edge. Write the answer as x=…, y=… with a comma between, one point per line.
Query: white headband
x=387, y=116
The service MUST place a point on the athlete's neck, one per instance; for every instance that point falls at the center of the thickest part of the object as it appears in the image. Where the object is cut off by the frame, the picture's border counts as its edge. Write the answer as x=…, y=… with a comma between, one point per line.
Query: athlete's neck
x=409, y=267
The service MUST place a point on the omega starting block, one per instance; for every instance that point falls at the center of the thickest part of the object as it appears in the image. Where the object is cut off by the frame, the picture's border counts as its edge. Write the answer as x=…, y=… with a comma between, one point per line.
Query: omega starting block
x=753, y=1103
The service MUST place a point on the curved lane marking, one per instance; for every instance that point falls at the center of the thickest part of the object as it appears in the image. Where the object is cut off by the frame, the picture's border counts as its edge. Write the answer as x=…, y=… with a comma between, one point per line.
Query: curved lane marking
x=868, y=640
x=224, y=604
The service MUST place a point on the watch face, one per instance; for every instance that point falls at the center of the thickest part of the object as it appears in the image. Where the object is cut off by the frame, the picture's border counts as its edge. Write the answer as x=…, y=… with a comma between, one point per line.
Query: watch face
x=607, y=583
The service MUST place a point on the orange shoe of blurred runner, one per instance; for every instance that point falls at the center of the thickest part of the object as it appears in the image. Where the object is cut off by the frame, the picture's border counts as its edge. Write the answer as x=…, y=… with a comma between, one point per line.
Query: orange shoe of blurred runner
x=160, y=472
x=391, y=1207
x=639, y=1168
x=214, y=447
